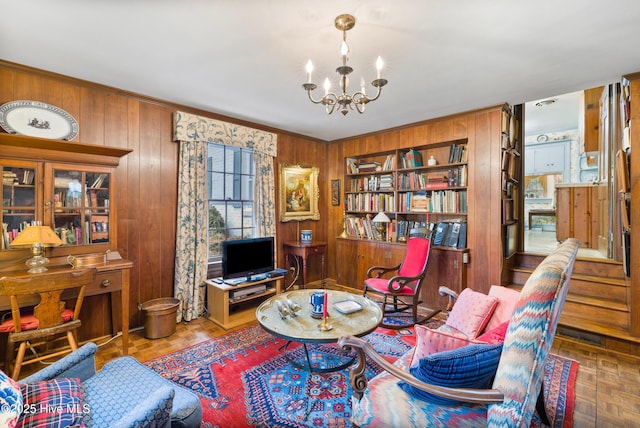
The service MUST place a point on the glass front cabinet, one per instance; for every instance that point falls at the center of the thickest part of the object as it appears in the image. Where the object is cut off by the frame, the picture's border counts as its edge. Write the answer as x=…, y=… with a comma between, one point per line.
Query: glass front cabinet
x=76, y=199
x=21, y=197
x=77, y=203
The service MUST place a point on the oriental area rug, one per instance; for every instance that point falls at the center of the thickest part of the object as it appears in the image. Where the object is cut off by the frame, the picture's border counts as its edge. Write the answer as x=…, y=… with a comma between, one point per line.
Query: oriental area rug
x=244, y=378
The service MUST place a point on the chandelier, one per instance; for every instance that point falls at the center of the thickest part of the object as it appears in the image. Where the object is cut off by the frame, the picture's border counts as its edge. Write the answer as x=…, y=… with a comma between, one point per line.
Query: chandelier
x=359, y=99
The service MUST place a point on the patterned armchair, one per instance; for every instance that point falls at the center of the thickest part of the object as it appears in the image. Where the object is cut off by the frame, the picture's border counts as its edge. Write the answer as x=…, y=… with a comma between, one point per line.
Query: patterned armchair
x=124, y=393
x=511, y=398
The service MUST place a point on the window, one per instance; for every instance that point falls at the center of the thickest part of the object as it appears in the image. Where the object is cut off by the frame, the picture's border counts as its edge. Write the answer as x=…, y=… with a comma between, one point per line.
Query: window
x=230, y=180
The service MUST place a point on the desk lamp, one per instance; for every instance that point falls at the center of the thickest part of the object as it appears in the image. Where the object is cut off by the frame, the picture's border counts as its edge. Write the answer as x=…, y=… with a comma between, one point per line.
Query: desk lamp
x=381, y=219
x=37, y=237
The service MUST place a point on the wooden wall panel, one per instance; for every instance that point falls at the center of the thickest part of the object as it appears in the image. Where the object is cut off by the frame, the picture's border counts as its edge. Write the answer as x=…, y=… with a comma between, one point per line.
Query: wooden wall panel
x=295, y=150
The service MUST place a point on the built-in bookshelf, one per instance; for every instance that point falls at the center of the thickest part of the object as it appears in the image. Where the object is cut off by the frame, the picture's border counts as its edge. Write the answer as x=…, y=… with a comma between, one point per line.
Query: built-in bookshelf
x=511, y=174
x=419, y=187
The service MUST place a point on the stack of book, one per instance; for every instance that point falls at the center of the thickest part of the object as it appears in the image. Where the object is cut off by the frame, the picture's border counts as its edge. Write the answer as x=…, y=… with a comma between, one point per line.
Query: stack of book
x=369, y=166
x=8, y=177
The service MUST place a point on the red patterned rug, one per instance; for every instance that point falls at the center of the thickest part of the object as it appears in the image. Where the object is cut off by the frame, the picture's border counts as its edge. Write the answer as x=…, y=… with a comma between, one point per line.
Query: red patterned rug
x=244, y=378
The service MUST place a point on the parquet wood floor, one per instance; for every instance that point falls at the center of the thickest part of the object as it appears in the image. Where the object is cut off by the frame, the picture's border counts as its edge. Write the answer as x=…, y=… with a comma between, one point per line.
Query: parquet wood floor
x=607, y=387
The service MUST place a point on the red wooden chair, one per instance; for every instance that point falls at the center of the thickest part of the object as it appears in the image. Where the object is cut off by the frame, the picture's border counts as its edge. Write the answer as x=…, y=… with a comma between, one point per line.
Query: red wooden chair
x=400, y=293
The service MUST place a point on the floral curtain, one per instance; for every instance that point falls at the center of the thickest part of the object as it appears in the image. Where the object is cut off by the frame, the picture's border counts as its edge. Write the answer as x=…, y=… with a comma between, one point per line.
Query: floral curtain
x=193, y=132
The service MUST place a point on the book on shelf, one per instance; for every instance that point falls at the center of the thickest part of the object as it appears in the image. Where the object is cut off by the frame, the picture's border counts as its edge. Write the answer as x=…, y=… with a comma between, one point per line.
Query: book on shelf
x=369, y=166
x=352, y=166
x=99, y=181
x=457, y=153
x=419, y=202
x=389, y=163
x=453, y=235
x=462, y=239
x=413, y=159
x=441, y=233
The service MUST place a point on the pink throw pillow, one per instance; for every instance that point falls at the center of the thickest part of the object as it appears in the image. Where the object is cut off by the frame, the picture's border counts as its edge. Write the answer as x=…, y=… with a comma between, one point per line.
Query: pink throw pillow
x=471, y=312
x=507, y=298
x=495, y=335
x=430, y=341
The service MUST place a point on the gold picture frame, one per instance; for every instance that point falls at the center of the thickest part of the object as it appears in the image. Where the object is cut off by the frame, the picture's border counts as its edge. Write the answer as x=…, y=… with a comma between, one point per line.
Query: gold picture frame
x=299, y=193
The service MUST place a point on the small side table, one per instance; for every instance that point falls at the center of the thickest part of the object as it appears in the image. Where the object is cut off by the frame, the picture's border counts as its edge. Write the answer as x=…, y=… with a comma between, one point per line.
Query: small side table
x=304, y=251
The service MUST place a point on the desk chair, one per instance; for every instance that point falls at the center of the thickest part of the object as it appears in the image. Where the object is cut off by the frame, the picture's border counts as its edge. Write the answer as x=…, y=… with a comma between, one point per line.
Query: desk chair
x=49, y=316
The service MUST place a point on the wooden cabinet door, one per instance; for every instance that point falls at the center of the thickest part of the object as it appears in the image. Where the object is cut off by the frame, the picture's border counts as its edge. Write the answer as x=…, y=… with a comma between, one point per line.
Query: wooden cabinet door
x=563, y=213
x=346, y=262
x=445, y=268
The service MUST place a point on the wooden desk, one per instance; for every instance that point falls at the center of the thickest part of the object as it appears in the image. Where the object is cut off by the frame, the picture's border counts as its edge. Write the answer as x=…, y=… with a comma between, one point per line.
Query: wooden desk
x=304, y=251
x=112, y=277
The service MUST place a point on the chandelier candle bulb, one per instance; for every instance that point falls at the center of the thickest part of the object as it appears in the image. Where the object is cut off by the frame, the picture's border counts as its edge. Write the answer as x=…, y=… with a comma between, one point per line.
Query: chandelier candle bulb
x=309, y=69
x=327, y=86
x=379, y=65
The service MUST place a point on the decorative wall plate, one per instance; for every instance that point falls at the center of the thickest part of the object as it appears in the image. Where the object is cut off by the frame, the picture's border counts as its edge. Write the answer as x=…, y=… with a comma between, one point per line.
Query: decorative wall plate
x=542, y=138
x=37, y=119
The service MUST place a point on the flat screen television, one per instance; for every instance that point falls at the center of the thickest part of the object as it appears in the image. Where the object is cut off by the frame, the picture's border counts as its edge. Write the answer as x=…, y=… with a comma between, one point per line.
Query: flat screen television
x=246, y=257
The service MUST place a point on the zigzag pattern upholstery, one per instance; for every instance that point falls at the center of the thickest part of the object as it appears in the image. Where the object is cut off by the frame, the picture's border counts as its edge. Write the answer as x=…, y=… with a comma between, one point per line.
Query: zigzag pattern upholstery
x=519, y=374
x=530, y=336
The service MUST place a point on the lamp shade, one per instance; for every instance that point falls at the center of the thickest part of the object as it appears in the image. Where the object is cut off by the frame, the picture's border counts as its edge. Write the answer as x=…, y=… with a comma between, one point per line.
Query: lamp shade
x=381, y=218
x=42, y=235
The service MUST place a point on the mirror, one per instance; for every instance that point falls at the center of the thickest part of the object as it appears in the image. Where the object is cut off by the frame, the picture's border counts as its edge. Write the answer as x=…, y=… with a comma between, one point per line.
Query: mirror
x=568, y=180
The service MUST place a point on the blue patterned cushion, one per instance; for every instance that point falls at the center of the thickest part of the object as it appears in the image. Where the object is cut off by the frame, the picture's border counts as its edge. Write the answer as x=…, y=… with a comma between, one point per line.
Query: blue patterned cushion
x=385, y=404
x=472, y=366
x=135, y=382
x=10, y=401
x=55, y=403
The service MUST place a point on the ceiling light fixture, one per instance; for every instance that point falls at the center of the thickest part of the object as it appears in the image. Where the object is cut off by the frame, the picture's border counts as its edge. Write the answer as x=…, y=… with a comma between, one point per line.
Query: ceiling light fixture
x=546, y=102
x=359, y=99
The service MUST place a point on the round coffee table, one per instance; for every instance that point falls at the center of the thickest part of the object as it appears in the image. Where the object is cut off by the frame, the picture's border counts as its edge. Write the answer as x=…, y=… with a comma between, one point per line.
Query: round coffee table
x=302, y=327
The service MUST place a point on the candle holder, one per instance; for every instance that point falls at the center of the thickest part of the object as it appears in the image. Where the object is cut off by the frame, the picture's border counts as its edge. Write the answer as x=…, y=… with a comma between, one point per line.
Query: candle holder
x=325, y=326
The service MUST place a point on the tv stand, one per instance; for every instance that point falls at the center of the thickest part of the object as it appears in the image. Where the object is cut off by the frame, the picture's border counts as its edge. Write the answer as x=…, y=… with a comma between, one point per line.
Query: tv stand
x=228, y=310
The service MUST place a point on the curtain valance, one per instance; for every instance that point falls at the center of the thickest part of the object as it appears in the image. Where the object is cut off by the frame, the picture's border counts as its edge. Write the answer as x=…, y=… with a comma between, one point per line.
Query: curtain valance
x=191, y=127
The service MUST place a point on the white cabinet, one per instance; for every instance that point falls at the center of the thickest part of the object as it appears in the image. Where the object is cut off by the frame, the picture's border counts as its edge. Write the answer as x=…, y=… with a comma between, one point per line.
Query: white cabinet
x=548, y=158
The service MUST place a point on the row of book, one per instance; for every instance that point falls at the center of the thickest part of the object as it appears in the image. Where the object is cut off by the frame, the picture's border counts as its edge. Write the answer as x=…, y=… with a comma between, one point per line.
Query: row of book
x=436, y=201
x=455, y=177
x=451, y=234
x=361, y=227
x=9, y=234
x=457, y=153
x=374, y=202
x=404, y=227
x=372, y=183
x=11, y=177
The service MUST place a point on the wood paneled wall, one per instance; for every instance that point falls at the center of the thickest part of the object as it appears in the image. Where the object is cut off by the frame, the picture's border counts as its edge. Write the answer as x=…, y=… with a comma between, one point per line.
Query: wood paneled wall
x=147, y=177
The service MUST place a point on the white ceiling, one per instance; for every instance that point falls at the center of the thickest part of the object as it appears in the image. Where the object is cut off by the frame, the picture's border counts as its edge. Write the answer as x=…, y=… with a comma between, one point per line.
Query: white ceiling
x=245, y=59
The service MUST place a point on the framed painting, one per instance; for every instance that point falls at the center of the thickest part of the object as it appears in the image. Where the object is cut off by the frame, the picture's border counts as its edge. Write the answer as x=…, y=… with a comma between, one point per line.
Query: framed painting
x=335, y=192
x=299, y=193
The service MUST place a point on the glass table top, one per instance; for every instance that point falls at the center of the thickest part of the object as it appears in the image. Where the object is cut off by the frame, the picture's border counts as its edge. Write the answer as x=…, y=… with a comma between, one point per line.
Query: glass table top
x=300, y=326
